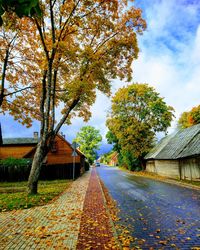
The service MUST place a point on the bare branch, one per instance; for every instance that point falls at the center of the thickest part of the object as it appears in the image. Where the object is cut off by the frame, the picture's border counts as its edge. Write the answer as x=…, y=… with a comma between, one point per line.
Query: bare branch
x=63, y=119
x=52, y=23
x=42, y=39
x=42, y=100
x=4, y=76
x=20, y=90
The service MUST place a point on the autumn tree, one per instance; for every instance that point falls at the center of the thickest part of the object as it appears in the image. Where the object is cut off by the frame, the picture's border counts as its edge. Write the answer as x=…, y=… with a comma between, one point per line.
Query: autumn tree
x=76, y=48
x=8, y=40
x=10, y=12
x=89, y=140
x=137, y=113
x=20, y=7
x=190, y=118
x=10, y=31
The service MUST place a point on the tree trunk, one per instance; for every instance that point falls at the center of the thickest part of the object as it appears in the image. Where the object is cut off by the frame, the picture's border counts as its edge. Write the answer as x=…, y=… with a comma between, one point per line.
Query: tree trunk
x=36, y=167
x=142, y=163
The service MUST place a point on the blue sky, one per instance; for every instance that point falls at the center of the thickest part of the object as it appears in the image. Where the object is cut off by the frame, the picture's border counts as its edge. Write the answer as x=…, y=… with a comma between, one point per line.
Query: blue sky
x=169, y=60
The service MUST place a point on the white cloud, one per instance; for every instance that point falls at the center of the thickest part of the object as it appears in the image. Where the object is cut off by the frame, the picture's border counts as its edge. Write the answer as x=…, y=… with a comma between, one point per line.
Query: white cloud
x=170, y=52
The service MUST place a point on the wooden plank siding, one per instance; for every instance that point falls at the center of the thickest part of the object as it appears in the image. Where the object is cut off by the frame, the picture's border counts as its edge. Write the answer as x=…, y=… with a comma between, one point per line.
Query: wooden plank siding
x=58, y=164
x=15, y=151
x=63, y=154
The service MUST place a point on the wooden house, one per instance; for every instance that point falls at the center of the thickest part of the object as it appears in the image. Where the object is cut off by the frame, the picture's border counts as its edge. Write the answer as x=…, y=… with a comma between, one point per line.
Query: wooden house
x=57, y=164
x=177, y=155
x=113, y=159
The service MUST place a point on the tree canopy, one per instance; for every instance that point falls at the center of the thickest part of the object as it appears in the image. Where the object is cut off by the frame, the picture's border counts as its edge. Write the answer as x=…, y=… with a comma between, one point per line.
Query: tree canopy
x=190, y=118
x=61, y=59
x=137, y=113
x=20, y=7
x=89, y=140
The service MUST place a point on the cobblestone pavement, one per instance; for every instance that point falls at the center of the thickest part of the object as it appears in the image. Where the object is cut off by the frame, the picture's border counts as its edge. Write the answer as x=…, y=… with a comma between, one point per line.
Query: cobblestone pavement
x=158, y=215
x=96, y=230
x=53, y=226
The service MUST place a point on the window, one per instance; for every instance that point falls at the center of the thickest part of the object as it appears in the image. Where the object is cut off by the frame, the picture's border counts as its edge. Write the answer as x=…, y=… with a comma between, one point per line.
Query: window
x=54, y=147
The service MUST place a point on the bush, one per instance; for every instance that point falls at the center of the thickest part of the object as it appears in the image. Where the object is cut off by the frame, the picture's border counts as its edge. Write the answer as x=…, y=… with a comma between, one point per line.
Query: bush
x=12, y=169
x=13, y=162
x=87, y=166
x=127, y=160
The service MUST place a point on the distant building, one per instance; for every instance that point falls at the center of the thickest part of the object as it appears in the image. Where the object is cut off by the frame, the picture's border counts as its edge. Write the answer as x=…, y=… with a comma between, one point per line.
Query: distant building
x=177, y=155
x=113, y=159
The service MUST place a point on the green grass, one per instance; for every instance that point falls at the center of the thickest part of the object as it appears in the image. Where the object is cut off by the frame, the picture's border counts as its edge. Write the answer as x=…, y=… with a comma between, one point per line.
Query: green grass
x=195, y=183
x=13, y=194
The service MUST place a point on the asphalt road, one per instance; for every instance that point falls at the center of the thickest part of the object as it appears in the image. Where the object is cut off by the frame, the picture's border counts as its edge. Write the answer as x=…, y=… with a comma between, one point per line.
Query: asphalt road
x=159, y=215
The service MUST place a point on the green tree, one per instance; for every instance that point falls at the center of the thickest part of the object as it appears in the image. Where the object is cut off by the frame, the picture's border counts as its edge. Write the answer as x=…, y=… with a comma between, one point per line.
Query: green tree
x=112, y=139
x=190, y=118
x=136, y=115
x=89, y=140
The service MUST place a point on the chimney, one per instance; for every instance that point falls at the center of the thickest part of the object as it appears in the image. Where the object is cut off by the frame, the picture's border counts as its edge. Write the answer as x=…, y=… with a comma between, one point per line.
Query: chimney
x=35, y=135
x=1, y=139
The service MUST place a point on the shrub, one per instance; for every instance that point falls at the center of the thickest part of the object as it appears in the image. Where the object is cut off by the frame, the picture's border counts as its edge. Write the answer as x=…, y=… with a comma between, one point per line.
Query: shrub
x=87, y=166
x=12, y=169
x=13, y=162
x=127, y=160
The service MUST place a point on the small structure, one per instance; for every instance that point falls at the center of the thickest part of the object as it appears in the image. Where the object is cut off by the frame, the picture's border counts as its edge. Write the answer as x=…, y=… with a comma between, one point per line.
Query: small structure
x=58, y=162
x=113, y=159
x=177, y=155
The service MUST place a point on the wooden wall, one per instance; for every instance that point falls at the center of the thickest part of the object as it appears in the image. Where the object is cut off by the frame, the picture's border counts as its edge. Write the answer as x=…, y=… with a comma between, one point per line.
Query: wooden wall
x=63, y=154
x=186, y=169
x=14, y=151
x=190, y=169
x=168, y=168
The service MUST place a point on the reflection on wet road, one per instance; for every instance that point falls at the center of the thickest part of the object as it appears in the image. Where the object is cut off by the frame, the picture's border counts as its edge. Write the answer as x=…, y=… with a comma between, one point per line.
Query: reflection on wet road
x=158, y=214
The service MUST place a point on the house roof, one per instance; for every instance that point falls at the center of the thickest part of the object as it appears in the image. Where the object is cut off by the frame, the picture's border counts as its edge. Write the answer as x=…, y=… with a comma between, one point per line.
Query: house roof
x=33, y=141
x=181, y=144
x=19, y=141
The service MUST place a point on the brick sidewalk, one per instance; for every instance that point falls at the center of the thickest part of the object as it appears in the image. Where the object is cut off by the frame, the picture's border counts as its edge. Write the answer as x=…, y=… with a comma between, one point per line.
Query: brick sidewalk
x=96, y=229
x=53, y=226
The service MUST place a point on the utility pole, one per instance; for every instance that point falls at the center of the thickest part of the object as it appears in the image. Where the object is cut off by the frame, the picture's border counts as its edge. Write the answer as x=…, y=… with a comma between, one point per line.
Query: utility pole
x=74, y=154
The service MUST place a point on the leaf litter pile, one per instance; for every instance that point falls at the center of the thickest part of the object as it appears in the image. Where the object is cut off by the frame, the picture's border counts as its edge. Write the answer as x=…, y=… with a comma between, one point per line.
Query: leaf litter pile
x=96, y=229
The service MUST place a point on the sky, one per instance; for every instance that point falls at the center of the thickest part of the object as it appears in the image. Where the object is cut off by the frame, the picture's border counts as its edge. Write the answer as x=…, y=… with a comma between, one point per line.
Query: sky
x=169, y=60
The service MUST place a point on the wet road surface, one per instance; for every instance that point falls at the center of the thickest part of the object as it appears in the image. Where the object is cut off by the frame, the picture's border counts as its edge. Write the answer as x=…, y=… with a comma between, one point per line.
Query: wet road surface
x=158, y=214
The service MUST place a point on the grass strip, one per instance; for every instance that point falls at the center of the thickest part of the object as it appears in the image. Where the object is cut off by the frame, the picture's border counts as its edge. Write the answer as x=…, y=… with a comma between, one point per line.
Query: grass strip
x=13, y=195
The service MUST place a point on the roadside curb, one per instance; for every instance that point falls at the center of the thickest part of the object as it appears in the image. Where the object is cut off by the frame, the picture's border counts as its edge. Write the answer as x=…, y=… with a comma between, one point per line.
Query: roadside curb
x=108, y=212
x=170, y=181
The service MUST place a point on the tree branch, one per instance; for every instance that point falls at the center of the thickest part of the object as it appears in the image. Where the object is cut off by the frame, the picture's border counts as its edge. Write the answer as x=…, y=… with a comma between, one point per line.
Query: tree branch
x=42, y=39
x=42, y=101
x=63, y=119
x=66, y=22
x=52, y=23
x=3, y=77
x=20, y=90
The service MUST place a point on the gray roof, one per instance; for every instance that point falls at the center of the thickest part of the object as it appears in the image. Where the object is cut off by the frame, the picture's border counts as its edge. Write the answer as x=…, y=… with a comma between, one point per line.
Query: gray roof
x=19, y=141
x=183, y=143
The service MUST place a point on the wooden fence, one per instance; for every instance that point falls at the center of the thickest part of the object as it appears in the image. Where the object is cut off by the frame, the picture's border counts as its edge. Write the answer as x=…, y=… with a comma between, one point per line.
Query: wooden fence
x=50, y=172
